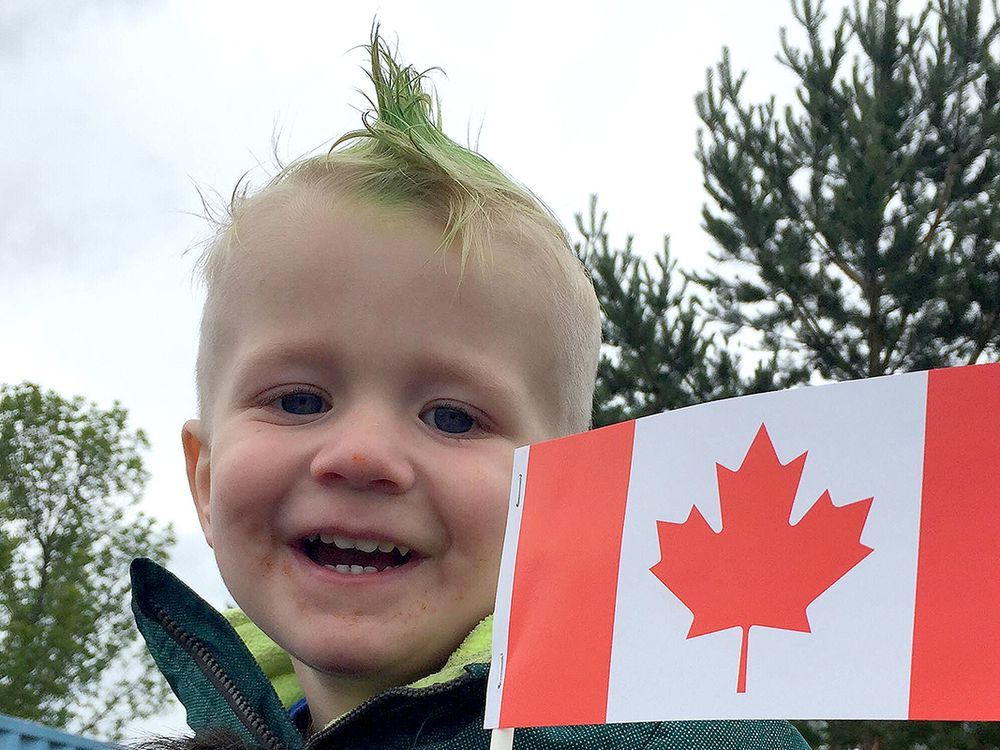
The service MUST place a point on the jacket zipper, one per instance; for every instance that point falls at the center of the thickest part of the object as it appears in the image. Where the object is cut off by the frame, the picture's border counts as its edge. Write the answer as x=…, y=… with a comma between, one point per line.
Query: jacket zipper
x=217, y=675
x=330, y=729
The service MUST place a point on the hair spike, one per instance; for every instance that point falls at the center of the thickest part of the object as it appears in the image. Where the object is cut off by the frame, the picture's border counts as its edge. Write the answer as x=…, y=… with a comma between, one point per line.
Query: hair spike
x=404, y=127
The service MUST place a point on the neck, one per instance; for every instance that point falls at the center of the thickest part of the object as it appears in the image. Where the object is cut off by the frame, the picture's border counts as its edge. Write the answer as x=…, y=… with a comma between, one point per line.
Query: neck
x=331, y=696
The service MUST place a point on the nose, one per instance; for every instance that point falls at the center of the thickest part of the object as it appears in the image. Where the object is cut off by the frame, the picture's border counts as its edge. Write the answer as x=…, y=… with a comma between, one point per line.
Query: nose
x=364, y=451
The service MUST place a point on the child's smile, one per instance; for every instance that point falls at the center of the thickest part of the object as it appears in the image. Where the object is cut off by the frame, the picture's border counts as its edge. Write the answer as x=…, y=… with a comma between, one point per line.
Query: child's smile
x=355, y=556
x=352, y=473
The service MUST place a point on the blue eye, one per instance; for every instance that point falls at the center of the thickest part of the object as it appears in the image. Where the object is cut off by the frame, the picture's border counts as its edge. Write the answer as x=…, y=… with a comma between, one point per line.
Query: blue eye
x=449, y=419
x=302, y=403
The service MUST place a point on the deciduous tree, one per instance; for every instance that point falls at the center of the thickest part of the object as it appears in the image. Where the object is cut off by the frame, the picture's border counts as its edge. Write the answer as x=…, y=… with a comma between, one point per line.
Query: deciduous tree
x=71, y=474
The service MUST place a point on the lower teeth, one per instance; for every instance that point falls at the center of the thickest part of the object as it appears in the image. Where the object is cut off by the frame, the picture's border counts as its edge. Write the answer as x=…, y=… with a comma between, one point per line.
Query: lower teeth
x=356, y=569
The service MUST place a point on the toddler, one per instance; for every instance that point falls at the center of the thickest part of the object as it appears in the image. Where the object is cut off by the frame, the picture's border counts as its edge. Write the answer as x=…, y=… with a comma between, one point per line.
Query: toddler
x=384, y=324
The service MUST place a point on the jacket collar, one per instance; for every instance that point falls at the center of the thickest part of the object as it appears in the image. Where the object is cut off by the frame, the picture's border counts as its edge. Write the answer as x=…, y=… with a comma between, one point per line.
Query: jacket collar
x=206, y=663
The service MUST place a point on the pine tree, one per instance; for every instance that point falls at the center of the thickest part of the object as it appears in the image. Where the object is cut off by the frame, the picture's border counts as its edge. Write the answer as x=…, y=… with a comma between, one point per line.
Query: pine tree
x=858, y=234
x=659, y=351
x=858, y=231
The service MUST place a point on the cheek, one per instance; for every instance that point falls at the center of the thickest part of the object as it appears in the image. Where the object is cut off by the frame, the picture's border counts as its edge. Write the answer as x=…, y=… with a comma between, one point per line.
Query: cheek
x=479, y=517
x=249, y=480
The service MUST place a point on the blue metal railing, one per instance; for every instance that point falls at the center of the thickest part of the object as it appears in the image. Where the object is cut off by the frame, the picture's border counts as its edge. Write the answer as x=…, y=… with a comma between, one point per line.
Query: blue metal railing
x=18, y=734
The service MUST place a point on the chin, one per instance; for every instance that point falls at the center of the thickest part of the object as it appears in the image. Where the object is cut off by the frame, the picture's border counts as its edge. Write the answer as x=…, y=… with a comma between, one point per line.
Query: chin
x=357, y=662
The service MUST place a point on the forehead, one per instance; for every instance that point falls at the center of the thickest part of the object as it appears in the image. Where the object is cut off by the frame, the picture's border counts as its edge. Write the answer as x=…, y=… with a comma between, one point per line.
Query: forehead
x=301, y=239
x=328, y=269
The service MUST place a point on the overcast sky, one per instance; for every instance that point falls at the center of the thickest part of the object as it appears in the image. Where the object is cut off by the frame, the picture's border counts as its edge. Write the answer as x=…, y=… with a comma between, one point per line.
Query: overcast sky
x=114, y=110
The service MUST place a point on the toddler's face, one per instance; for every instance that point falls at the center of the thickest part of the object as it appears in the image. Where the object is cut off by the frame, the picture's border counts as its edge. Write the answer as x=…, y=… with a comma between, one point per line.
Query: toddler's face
x=364, y=411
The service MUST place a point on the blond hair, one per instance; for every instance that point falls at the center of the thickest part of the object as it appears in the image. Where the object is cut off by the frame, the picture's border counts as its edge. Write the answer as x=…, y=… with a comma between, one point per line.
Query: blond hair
x=401, y=158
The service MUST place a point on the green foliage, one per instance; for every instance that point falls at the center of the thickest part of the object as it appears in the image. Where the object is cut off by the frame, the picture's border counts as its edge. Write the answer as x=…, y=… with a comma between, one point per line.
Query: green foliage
x=868, y=217
x=658, y=354
x=71, y=475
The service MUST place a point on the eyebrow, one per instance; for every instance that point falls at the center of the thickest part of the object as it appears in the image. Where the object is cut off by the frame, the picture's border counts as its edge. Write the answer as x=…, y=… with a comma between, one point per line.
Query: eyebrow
x=472, y=374
x=295, y=354
x=429, y=367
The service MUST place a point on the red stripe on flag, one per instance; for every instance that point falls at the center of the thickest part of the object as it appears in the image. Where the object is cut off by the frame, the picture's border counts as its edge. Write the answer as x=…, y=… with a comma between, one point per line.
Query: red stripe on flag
x=955, y=671
x=562, y=608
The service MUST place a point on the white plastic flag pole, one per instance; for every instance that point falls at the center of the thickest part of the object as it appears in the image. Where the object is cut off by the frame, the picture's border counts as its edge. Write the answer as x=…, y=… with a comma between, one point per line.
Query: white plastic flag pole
x=502, y=739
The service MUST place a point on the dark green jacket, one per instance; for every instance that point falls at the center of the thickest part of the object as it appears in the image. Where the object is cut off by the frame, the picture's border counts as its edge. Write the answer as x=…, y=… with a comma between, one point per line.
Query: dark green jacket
x=222, y=686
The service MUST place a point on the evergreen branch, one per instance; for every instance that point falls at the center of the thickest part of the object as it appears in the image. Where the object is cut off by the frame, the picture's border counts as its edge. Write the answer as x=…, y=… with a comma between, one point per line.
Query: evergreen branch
x=984, y=339
x=874, y=336
x=833, y=255
x=890, y=347
x=817, y=333
x=944, y=196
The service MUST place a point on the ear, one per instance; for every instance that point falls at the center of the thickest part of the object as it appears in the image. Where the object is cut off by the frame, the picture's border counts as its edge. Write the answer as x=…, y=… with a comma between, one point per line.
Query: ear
x=197, y=458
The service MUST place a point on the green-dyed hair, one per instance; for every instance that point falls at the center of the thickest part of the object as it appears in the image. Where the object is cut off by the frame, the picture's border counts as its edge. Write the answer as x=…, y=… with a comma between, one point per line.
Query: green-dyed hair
x=401, y=157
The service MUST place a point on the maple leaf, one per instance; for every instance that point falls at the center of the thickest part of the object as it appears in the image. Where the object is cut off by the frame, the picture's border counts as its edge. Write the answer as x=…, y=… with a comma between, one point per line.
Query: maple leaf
x=759, y=570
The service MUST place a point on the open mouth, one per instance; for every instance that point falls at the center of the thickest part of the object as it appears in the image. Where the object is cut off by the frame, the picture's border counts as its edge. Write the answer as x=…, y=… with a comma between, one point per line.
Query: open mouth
x=355, y=556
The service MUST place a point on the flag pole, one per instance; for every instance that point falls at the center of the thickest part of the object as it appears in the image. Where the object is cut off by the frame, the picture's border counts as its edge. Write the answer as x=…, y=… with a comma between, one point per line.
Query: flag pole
x=502, y=739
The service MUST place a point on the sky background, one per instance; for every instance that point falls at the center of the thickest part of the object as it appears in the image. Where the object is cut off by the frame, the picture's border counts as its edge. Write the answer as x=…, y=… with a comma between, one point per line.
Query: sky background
x=114, y=111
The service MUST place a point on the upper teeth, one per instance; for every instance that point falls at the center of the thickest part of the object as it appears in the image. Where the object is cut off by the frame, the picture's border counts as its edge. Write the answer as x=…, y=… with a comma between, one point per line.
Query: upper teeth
x=364, y=545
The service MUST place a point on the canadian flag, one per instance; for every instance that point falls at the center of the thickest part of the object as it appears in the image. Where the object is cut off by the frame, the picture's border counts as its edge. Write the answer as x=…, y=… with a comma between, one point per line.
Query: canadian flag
x=825, y=552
